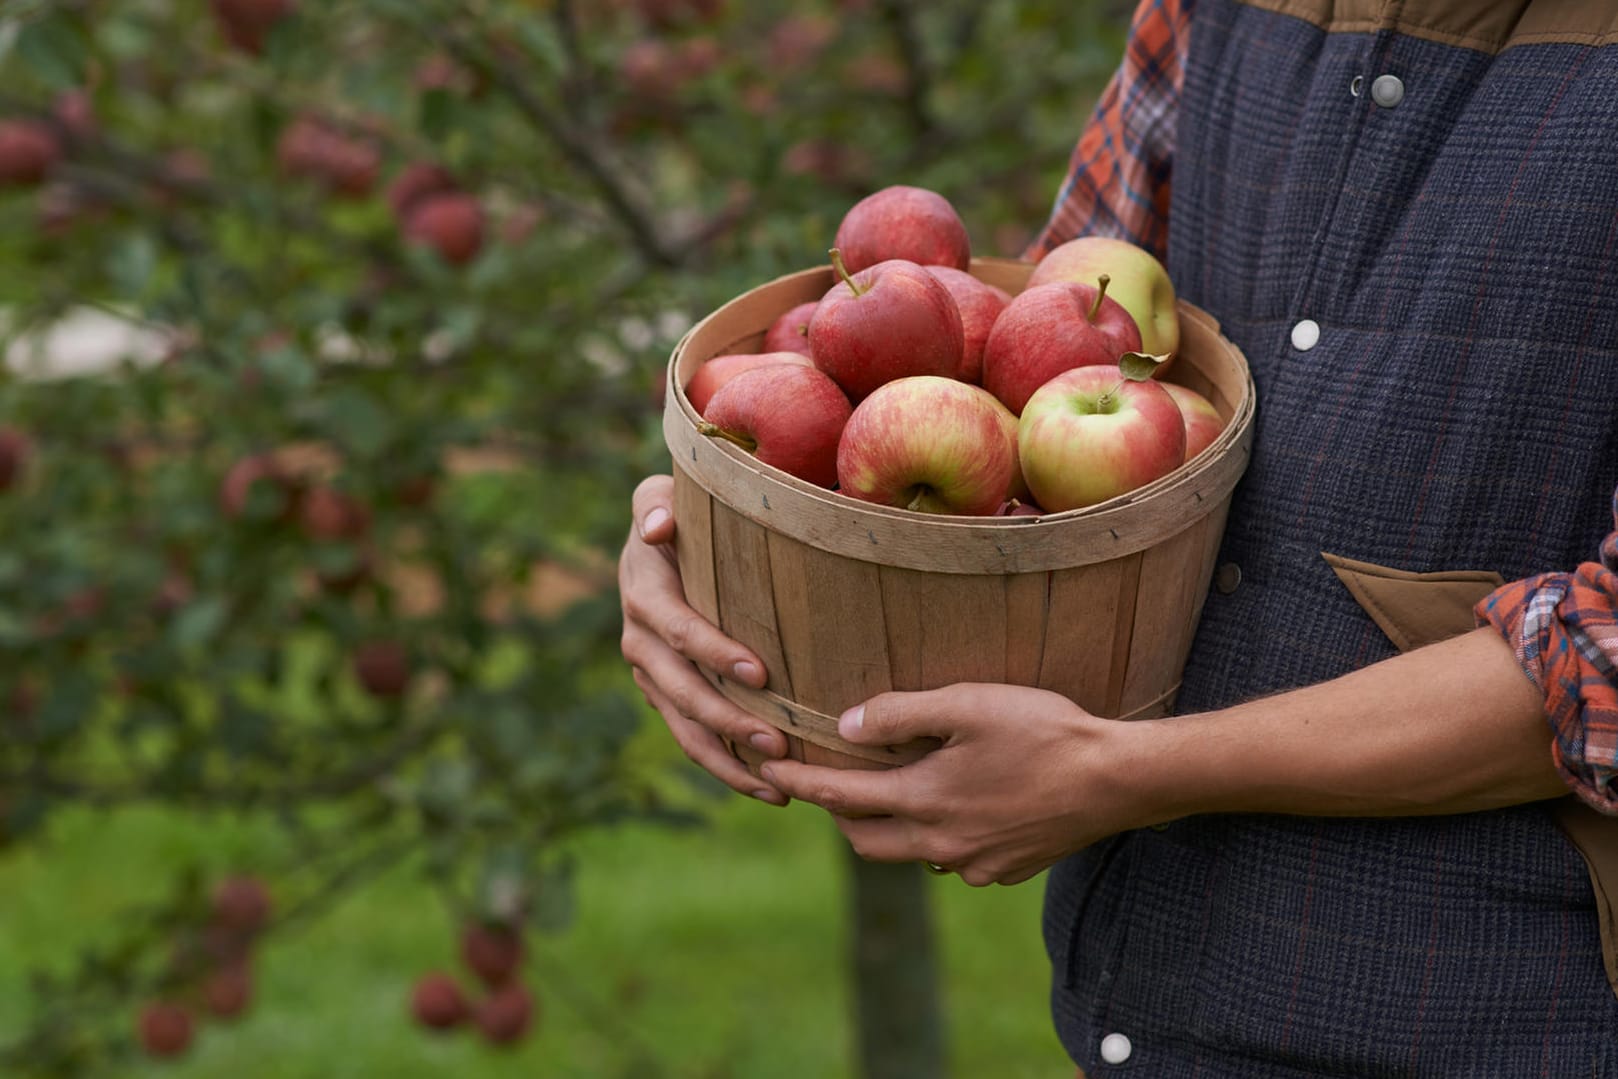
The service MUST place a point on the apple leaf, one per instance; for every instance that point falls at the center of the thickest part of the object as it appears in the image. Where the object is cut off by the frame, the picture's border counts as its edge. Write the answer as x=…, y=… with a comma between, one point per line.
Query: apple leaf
x=1140, y=366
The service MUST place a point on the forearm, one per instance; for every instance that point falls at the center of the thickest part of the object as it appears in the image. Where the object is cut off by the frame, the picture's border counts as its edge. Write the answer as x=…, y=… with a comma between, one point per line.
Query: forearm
x=1450, y=728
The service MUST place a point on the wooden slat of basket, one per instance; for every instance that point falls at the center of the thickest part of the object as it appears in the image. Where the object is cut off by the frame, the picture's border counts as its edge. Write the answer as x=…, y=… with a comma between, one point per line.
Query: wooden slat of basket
x=833, y=661
x=927, y=649
x=1171, y=583
x=746, y=597
x=1028, y=598
x=693, y=515
x=1088, y=632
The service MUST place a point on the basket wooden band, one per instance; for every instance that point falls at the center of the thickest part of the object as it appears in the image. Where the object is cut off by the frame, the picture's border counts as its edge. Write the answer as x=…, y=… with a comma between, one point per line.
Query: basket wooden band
x=793, y=718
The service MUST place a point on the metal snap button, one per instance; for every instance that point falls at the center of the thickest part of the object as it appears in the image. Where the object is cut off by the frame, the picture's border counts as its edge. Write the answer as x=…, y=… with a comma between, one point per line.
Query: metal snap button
x=1306, y=335
x=1227, y=577
x=1387, y=90
x=1115, y=1048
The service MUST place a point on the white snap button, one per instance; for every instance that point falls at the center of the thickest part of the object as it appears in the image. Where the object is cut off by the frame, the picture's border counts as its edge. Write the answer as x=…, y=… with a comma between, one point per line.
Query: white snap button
x=1387, y=90
x=1115, y=1048
x=1306, y=335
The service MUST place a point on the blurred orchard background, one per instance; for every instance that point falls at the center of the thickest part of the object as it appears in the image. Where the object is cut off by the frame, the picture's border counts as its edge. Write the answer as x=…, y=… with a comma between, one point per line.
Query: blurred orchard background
x=333, y=339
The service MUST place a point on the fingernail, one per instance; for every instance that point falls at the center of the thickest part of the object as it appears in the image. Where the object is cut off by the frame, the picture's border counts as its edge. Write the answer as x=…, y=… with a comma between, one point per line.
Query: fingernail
x=766, y=773
x=767, y=796
x=851, y=722
x=653, y=521
x=748, y=672
x=764, y=743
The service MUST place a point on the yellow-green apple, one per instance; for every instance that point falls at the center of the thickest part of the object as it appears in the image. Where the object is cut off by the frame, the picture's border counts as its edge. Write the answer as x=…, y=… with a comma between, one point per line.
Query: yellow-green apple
x=1092, y=433
x=790, y=331
x=903, y=222
x=928, y=443
x=1139, y=282
x=1050, y=328
x=787, y=416
x=980, y=303
x=714, y=373
x=1202, y=420
x=888, y=321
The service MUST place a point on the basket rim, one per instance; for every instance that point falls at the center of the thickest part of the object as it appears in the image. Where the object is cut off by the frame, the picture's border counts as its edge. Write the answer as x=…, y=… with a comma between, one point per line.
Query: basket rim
x=866, y=531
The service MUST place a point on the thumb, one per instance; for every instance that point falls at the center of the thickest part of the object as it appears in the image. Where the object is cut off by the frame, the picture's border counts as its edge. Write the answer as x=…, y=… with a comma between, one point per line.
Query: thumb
x=893, y=718
x=652, y=506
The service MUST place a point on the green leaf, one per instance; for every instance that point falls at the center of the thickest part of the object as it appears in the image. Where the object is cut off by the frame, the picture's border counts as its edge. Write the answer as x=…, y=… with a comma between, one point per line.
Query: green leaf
x=198, y=623
x=1140, y=366
x=355, y=420
x=437, y=116
x=541, y=38
x=55, y=48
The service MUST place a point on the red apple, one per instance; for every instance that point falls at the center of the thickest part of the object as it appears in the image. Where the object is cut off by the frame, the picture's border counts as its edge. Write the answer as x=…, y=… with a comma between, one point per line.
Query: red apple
x=1139, y=283
x=930, y=444
x=716, y=372
x=980, y=304
x=1092, y=433
x=329, y=515
x=229, y=990
x=247, y=23
x=28, y=152
x=1016, y=507
x=492, y=951
x=506, y=1014
x=165, y=1029
x=415, y=182
x=902, y=222
x=790, y=332
x=437, y=1002
x=1048, y=329
x=889, y=321
x=450, y=223
x=15, y=449
x=786, y=415
x=241, y=905
x=1202, y=420
x=383, y=668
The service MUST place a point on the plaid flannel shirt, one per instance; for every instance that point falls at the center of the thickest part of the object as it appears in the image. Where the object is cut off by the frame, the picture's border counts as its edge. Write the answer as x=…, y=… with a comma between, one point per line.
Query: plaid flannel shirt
x=1562, y=626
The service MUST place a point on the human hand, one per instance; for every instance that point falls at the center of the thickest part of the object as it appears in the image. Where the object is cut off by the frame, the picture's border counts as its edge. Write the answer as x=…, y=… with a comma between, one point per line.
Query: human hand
x=663, y=638
x=1024, y=777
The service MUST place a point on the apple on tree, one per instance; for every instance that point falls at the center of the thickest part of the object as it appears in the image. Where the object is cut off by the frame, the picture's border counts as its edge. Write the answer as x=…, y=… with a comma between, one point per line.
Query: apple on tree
x=931, y=444
x=714, y=373
x=786, y=415
x=1202, y=420
x=980, y=304
x=1095, y=432
x=903, y=222
x=1048, y=329
x=1139, y=283
x=889, y=321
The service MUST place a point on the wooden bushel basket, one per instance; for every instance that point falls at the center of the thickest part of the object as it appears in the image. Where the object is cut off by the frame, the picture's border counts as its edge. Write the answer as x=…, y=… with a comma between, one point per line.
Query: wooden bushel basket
x=844, y=599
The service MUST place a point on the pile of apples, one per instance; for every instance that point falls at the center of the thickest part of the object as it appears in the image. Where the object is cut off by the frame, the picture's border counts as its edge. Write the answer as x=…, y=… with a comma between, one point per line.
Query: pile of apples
x=913, y=384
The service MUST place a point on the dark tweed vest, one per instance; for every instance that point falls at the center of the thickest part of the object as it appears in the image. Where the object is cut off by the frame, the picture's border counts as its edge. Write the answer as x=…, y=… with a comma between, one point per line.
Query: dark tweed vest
x=1459, y=251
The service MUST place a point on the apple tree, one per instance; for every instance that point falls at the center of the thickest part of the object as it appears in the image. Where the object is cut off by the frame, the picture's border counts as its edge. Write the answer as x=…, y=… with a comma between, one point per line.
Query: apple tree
x=333, y=341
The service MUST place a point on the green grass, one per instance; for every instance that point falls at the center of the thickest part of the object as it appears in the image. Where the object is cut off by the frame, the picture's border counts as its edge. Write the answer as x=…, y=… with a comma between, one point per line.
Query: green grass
x=708, y=954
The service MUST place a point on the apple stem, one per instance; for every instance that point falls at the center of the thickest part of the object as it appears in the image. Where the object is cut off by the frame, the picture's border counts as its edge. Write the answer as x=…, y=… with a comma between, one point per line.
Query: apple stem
x=1106, y=399
x=713, y=430
x=1101, y=293
x=842, y=271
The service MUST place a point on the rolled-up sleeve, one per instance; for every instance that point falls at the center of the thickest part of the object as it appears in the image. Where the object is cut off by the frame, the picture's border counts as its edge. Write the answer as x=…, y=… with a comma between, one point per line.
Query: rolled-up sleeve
x=1564, y=630
x=1117, y=182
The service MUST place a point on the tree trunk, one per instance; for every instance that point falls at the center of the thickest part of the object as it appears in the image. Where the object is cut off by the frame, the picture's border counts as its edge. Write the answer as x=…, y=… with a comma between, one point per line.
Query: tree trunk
x=898, y=1019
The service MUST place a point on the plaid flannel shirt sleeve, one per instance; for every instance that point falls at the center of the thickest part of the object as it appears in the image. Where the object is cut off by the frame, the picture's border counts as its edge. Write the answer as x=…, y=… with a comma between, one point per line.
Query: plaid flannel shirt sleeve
x=1117, y=182
x=1564, y=629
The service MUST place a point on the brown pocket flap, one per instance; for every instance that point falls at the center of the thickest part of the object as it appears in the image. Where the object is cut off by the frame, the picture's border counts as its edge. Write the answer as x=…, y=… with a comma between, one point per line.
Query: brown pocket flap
x=1414, y=609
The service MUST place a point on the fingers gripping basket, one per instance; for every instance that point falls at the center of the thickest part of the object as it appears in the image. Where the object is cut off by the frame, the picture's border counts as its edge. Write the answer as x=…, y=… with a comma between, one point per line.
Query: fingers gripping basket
x=843, y=599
